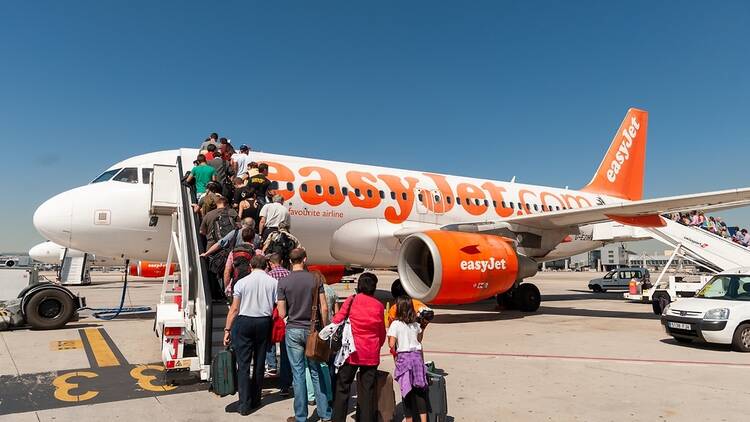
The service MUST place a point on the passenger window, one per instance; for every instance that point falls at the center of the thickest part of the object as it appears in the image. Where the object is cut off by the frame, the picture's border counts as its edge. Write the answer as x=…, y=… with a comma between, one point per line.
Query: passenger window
x=393, y=195
x=536, y=208
x=357, y=192
x=528, y=208
x=146, y=175
x=448, y=199
x=369, y=193
x=303, y=188
x=503, y=204
x=544, y=207
x=437, y=198
x=403, y=196
x=420, y=197
x=318, y=189
x=458, y=200
x=512, y=206
x=290, y=186
x=331, y=190
x=345, y=190
x=274, y=185
x=382, y=194
x=468, y=201
x=127, y=175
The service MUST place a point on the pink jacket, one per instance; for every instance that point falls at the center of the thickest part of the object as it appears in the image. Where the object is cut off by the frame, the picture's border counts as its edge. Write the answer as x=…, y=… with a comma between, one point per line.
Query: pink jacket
x=368, y=328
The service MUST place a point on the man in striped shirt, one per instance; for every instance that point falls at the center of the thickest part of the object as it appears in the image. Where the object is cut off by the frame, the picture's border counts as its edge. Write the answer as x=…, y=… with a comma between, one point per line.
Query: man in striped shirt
x=278, y=272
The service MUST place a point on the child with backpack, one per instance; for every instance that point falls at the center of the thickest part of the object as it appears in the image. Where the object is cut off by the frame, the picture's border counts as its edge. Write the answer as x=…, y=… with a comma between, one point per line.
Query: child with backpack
x=405, y=336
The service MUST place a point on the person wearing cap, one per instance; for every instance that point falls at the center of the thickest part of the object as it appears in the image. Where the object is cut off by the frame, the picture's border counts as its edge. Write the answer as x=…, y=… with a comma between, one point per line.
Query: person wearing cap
x=240, y=161
x=260, y=184
x=272, y=216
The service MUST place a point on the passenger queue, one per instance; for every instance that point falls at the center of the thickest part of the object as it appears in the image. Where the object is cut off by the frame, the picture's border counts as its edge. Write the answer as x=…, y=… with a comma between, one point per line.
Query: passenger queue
x=260, y=267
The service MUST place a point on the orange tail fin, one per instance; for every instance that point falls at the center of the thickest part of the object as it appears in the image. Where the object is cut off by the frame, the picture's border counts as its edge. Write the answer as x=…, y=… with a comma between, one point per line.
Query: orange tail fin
x=621, y=172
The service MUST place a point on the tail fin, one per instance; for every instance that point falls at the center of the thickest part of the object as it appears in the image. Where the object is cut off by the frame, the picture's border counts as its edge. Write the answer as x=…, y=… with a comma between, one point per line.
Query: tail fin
x=621, y=172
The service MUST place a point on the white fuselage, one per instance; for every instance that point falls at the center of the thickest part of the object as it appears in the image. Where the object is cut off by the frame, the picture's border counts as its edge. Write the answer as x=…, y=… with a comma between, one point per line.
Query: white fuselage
x=334, y=207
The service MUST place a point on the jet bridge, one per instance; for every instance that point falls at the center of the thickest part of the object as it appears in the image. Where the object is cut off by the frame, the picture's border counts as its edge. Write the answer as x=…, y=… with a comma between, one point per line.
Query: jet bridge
x=189, y=321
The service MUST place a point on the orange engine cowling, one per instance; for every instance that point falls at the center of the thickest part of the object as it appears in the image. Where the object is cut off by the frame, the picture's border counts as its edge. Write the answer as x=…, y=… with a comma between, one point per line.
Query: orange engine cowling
x=448, y=267
x=150, y=269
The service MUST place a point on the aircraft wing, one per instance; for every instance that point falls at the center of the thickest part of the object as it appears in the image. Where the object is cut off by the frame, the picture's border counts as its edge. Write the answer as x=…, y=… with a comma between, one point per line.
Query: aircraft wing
x=639, y=213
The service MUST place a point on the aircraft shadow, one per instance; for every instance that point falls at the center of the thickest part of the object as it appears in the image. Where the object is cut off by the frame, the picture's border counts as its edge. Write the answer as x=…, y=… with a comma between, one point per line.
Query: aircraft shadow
x=582, y=296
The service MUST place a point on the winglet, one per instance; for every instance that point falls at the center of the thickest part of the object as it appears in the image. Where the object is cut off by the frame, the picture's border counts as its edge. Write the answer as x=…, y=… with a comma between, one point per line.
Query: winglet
x=621, y=172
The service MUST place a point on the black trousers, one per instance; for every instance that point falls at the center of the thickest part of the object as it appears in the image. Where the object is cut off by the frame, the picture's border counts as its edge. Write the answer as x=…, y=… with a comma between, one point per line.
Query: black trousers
x=250, y=341
x=415, y=403
x=366, y=403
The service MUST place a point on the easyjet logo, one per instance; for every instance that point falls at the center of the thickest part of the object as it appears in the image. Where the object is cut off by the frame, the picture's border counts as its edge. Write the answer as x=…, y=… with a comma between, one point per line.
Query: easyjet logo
x=483, y=265
x=623, y=152
x=396, y=195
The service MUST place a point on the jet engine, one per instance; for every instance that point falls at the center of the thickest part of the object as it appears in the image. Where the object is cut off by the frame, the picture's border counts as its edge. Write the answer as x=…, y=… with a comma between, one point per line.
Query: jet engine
x=448, y=267
x=150, y=269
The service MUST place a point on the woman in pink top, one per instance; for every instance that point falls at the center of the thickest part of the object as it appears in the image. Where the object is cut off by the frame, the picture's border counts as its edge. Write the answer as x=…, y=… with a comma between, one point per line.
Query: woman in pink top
x=365, y=315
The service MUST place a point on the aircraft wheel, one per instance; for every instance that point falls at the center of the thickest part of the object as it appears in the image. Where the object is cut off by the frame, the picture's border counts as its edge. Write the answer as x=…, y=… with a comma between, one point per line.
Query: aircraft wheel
x=660, y=301
x=527, y=297
x=49, y=309
x=505, y=300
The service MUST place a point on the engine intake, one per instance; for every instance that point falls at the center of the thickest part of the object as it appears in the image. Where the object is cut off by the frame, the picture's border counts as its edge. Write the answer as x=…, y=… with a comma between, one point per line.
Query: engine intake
x=447, y=267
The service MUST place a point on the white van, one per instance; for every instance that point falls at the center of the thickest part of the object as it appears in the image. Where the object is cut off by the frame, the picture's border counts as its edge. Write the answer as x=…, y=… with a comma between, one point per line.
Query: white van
x=719, y=312
x=618, y=279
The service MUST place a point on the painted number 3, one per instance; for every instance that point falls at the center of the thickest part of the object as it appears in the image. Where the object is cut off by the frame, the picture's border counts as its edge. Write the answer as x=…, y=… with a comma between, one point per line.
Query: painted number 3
x=64, y=386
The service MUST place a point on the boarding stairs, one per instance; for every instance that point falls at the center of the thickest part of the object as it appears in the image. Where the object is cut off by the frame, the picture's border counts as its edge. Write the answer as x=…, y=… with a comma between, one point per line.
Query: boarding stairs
x=189, y=320
x=74, y=268
x=708, y=249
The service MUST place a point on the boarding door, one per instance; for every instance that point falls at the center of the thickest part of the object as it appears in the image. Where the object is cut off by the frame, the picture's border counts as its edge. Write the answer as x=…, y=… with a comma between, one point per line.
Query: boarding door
x=438, y=204
x=421, y=196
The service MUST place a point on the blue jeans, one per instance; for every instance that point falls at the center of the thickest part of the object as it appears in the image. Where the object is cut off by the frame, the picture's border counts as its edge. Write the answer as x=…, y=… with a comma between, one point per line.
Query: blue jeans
x=296, y=338
x=271, y=356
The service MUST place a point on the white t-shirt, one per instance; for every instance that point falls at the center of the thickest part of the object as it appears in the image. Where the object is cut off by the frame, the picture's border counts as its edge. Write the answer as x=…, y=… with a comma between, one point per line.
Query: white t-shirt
x=275, y=214
x=242, y=161
x=406, y=336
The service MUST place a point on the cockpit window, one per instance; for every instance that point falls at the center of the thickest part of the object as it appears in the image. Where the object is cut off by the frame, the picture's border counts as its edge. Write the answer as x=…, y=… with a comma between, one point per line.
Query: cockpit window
x=127, y=175
x=146, y=173
x=105, y=176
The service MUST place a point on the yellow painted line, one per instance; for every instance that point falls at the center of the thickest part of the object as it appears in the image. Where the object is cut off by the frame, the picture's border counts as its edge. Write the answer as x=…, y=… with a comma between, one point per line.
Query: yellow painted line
x=59, y=345
x=102, y=352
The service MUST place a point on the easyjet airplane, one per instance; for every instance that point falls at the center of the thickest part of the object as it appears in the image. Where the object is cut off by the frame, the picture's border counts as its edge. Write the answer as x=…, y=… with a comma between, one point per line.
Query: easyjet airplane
x=453, y=239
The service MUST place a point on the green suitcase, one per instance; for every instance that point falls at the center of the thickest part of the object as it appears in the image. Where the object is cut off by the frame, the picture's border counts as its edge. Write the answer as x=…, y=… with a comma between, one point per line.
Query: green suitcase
x=224, y=373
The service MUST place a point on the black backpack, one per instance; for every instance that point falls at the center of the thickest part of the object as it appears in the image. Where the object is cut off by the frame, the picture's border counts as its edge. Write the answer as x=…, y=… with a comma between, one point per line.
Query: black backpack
x=282, y=244
x=224, y=224
x=218, y=261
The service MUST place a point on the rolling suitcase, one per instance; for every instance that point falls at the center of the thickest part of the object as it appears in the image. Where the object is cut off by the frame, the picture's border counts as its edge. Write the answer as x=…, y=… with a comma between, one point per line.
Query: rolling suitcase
x=437, y=398
x=224, y=373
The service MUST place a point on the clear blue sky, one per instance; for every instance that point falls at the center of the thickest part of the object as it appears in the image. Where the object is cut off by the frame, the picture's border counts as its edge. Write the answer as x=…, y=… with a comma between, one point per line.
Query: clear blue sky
x=489, y=89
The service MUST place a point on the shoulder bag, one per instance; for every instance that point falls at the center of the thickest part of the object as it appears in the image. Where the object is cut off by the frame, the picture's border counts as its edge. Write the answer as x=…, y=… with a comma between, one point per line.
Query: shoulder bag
x=316, y=348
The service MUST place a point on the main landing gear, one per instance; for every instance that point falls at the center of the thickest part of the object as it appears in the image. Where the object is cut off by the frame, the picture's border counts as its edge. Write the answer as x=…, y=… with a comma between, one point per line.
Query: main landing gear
x=525, y=297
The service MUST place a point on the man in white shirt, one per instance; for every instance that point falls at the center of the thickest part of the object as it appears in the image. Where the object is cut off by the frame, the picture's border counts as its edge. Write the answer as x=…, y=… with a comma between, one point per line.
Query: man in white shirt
x=240, y=161
x=248, y=327
x=273, y=215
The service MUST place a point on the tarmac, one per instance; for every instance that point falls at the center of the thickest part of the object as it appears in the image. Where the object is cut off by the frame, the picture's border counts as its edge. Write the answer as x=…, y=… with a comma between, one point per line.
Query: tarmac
x=581, y=357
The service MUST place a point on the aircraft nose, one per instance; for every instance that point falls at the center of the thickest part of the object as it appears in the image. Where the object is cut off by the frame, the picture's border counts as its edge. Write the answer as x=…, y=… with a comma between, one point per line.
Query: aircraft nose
x=53, y=219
